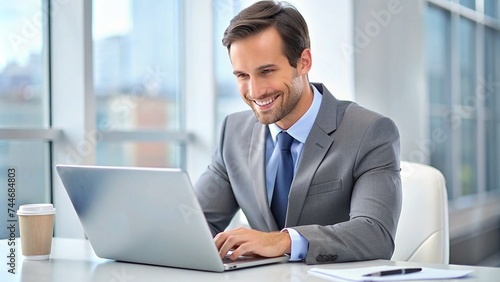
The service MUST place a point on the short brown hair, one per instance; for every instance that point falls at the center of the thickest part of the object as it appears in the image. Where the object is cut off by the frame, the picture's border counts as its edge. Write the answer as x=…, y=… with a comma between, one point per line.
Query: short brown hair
x=289, y=23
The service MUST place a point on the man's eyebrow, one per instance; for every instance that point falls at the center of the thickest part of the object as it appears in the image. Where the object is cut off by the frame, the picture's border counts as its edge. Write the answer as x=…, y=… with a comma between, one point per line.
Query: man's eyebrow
x=236, y=72
x=266, y=66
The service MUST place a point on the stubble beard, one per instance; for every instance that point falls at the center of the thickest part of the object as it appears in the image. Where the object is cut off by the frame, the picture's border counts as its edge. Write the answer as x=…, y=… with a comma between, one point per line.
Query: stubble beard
x=289, y=101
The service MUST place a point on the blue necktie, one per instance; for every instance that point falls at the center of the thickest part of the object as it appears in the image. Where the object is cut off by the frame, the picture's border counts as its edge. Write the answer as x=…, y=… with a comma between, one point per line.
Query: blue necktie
x=284, y=179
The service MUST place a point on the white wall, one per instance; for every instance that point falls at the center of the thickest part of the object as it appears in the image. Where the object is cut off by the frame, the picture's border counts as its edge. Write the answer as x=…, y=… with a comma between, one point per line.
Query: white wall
x=330, y=28
x=390, y=76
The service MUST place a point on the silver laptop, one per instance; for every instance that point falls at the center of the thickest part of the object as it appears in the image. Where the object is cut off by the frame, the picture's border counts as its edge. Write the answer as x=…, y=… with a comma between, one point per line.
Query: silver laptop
x=146, y=215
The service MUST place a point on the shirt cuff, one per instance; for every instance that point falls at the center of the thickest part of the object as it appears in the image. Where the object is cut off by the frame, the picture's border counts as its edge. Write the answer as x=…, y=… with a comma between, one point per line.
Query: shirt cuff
x=299, y=247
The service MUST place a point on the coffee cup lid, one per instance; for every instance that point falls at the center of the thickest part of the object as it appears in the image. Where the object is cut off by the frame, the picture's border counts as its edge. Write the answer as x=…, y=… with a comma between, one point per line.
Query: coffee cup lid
x=36, y=209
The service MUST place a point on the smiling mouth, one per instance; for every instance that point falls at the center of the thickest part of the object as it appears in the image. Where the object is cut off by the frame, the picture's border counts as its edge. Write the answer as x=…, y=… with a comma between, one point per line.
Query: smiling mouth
x=265, y=102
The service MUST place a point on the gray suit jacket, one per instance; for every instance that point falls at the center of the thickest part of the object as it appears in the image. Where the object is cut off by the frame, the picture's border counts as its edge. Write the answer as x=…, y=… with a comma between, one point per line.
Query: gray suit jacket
x=345, y=198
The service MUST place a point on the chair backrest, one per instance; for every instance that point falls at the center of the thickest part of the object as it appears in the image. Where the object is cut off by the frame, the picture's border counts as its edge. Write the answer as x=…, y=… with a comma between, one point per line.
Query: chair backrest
x=423, y=230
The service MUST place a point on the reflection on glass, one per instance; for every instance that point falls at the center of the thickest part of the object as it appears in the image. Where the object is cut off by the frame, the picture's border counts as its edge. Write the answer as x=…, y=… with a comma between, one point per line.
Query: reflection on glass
x=31, y=176
x=137, y=64
x=139, y=154
x=23, y=99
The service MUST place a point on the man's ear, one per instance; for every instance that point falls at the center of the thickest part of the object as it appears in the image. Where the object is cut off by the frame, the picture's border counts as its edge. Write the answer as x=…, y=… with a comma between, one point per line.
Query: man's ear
x=305, y=62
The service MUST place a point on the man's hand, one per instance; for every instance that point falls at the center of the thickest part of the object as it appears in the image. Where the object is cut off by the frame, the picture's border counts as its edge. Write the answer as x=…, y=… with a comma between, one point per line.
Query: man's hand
x=248, y=241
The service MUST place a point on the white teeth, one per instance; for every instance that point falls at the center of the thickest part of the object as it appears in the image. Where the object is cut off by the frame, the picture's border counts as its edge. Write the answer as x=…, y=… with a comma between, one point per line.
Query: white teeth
x=264, y=102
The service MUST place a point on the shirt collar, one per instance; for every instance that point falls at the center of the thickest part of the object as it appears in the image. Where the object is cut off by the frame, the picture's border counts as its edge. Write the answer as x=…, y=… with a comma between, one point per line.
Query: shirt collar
x=300, y=129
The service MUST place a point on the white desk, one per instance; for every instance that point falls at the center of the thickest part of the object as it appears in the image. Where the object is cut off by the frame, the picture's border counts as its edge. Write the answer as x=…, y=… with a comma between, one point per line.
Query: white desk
x=75, y=260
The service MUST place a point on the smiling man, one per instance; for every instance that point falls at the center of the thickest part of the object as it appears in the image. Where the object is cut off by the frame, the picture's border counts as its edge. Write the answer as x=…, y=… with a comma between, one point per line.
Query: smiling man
x=317, y=178
x=276, y=91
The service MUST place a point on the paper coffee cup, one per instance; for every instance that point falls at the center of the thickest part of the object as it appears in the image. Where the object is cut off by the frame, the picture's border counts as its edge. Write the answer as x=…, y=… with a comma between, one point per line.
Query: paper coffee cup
x=36, y=223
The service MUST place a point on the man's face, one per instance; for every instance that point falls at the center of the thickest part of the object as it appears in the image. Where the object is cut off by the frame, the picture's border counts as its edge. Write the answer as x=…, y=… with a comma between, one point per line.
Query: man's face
x=266, y=81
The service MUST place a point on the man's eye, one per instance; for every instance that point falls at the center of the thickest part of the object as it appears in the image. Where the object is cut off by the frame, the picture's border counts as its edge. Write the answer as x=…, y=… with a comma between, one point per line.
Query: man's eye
x=241, y=75
x=266, y=71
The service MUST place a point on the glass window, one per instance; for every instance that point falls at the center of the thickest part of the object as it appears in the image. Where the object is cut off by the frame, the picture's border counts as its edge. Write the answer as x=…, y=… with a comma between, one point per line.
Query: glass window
x=228, y=98
x=23, y=95
x=468, y=3
x=441, y=157
x=146, y=154
x=25, y=163
x=439, y=83
x=137, y=64
x=467, y=61
x=137, y=74
x=438, y=59
x=491, y=8
x=491, y=94
x=471, y=124
x=468, y=168
x=469, y=103
x=493, y=155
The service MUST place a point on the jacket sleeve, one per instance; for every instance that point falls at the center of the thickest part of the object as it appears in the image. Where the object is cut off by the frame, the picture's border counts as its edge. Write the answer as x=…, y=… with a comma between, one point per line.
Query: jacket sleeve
x=214, y=193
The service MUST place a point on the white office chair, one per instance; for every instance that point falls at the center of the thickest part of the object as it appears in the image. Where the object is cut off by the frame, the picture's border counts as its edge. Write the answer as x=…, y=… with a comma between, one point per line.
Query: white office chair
x=423, y=230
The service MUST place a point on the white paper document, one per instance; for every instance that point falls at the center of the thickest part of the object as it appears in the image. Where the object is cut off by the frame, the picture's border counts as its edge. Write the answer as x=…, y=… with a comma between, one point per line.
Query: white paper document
x=359, y=274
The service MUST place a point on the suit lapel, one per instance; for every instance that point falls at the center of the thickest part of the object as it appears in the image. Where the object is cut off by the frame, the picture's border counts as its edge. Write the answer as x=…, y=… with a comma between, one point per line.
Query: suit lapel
x=257, y=165
x=317, y=145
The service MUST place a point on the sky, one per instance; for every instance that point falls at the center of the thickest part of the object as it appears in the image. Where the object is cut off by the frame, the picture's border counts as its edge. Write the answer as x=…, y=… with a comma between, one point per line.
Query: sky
x=20, y=31
x=111, y=17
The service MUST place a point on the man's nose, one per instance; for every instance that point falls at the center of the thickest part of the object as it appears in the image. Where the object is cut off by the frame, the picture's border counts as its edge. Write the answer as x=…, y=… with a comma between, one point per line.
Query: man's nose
x=256, y=88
